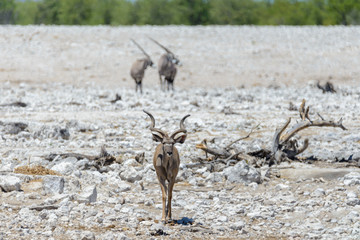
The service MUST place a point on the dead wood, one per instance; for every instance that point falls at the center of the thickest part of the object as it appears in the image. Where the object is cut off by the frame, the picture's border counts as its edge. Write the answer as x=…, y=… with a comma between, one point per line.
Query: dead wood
x=14, y=104
x=140, y=157
x=224, y=155
x=98, y=161
x=242, y=138
x=14, y=127
x=284, y=147
x=328, y=87
x=117, y=98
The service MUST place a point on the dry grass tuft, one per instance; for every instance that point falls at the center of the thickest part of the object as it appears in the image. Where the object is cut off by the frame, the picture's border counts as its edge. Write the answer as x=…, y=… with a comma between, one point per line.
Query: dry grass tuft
x=35, y=170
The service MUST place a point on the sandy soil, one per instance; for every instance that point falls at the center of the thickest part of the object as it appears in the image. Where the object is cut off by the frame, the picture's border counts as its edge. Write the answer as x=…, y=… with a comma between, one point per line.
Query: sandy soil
x=212, y=56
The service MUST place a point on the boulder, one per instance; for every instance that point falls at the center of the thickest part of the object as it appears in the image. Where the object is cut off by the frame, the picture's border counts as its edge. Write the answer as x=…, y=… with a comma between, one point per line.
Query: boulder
x=64, y=168
x=352, y=178
x=53, y=184
x=242, y=173
x=10, y=183
x=89, y=195
x=131, y=175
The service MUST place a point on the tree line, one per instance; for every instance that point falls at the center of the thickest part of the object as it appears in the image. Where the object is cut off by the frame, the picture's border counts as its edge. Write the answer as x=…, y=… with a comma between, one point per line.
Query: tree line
x=180, y=12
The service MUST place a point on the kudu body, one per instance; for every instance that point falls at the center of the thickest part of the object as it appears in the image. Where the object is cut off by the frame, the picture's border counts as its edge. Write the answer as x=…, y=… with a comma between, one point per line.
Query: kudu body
x=138, y=68
x=167, y=67
x=166, y=161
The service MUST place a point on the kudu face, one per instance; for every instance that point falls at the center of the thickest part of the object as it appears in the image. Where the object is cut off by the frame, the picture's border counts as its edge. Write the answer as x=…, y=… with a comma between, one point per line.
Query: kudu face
x=166, y=160
x=168, y=146
x=169, y=142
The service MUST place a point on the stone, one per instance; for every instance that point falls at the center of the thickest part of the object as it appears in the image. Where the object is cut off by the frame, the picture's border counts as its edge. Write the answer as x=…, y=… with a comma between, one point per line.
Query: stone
x=318, y=192
x=242, y=173
x=214, y=177
x=353, y=201
x=237, y=225
x=87, y=235
x=281, y=187
x=64, y=168
x=352, y=178
x=53, y=184
x=223, y=218
x=124, y=187
x=10, y=183
x=131, y=175
x=88, y=195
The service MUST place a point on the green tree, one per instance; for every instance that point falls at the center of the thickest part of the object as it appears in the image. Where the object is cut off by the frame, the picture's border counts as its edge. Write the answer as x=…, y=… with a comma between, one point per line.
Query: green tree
x=153, y=12
x=26, y=12
x=75, y=12
x=48, y=12
x=190, y=12
x=7, y=9
x=344, y=10
x=123, y=13
x=234, y=11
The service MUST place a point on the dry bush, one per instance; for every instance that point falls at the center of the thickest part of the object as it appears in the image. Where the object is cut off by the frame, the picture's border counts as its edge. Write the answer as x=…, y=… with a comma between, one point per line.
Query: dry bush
x=35, y=170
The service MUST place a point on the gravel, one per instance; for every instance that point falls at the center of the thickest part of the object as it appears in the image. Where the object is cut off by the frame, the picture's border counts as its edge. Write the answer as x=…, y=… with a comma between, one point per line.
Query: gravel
x=69, y=110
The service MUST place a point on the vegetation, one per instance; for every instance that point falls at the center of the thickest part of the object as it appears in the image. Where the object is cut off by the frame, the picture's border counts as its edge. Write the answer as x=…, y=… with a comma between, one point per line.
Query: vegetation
x=186, y=12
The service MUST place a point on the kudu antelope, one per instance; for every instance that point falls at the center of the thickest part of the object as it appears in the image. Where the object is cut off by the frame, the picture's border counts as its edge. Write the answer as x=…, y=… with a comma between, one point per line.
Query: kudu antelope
x=166, y=161
x=167, y=67
x=138, y=68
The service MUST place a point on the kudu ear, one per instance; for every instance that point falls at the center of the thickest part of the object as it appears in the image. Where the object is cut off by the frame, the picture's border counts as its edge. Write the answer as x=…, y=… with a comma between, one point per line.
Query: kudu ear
x=180, y=139
x=157, y=137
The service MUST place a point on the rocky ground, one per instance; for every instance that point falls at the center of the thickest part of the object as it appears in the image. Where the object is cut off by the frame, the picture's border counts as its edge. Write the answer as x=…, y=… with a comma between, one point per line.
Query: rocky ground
x=46, y=114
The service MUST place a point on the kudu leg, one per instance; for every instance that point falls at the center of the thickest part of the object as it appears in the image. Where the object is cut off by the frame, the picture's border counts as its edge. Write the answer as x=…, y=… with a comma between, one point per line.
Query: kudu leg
x=164, y=193
x=171, y=186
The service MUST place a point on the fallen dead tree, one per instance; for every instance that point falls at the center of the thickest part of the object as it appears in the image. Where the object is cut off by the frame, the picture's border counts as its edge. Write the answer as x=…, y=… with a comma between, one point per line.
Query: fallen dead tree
x=328, y=87
x=14, y=104
x=227, y=155
x=98, y=161
x=284, y=146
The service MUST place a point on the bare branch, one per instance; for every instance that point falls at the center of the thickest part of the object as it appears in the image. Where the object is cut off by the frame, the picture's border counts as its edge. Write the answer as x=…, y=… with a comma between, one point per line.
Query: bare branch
x=302, y=125
x=221, y=153
x=278, y=132
x=242, y=138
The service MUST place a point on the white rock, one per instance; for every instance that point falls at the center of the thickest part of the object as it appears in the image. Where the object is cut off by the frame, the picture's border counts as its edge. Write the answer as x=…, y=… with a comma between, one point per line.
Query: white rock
x=64, y=168
x=223, y=218
x=87, y=235
x=124, y=187
x=351, y=194
x=53, y=184
x=253, y=185
x=10, y=183
x=242, y=173
x=353, y=201
x=215, y=177
x=131, y=175
x=237, y=225
x=352, y=178
x=318, y=192
x=25, y=213
x=88, y=195
x=281, y=187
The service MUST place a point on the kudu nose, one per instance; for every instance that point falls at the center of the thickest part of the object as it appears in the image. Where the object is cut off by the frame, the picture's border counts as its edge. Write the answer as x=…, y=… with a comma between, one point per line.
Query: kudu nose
x=169, y=153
